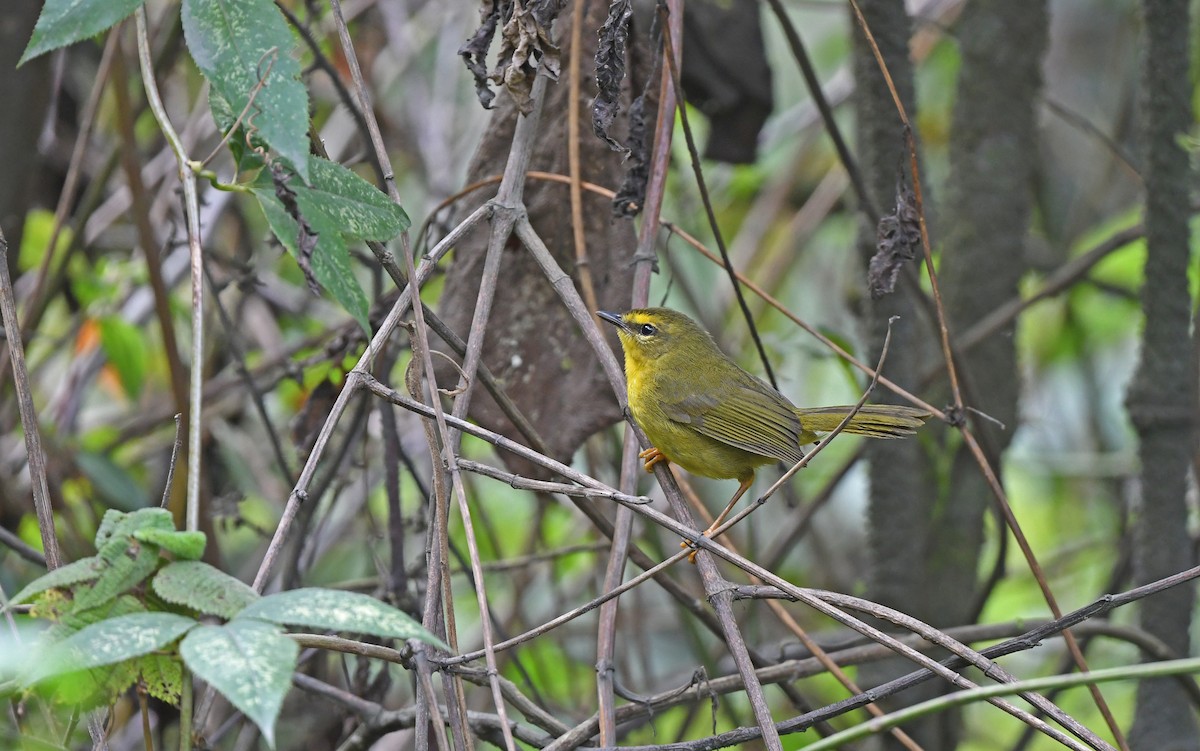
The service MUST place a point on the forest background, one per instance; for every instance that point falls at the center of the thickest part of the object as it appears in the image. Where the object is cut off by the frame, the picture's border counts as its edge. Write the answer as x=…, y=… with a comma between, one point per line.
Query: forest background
x=1040, y=155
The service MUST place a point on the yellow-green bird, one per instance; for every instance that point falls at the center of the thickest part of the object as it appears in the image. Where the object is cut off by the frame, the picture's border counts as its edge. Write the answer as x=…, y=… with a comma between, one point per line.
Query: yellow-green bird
x=702, y=411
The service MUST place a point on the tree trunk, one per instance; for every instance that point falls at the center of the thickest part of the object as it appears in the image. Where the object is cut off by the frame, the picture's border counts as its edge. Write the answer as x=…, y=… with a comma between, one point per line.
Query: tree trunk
x=902, y=494
x=533, y=345
x=1162, y=397
x=993, y=154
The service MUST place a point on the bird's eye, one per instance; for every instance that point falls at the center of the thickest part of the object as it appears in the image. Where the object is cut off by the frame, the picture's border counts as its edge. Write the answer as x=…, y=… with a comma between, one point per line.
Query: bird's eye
x=647, y=329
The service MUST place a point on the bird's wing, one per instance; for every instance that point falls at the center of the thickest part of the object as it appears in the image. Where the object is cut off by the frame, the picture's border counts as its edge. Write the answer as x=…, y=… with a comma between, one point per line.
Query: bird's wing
x=752, y=419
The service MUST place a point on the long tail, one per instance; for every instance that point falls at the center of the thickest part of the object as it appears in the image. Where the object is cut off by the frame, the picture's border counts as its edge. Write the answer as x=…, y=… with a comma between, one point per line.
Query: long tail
x=873, y=421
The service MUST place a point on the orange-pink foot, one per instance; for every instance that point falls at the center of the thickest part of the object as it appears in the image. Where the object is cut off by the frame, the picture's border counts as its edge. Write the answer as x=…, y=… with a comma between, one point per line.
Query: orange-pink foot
x=653, y=456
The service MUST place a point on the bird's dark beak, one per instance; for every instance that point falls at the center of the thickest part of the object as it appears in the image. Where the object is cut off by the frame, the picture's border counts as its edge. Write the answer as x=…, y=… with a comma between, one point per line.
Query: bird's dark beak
x=613, y=318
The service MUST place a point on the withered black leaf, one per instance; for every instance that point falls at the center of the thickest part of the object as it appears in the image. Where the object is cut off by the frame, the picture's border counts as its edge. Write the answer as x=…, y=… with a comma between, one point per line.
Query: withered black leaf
x=474, y=50
x=610, y=70
x=631, y=197
x=896, y=241
x=525, y=48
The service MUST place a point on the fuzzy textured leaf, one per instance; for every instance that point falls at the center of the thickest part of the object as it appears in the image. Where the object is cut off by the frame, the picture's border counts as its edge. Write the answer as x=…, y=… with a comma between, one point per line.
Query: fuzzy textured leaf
x=201, y=587
x=129, y=563
x=240, y=44
x=336, y=610
x=64, y=22
x=249, y=662
x=64, y=576
x=356, y=206
x=111, y=641
x=74, y=620
x=121, y=523
x=329, y=262
x=186, y=545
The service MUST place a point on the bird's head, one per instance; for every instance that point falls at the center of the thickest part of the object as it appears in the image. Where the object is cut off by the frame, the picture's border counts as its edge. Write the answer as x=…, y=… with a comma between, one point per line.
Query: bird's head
x=652, y=333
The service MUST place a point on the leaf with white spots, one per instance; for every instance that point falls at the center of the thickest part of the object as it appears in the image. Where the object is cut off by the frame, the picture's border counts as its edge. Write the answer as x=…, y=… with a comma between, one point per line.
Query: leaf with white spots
x=353, y=204
x=334, y=610
x=330, y=260
x=64, y=22
x=244, y=49
x=110, y=641
x=249, y=662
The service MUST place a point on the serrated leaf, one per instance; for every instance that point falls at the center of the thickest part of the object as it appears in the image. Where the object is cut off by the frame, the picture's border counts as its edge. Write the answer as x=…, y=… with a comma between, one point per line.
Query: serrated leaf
x=110, y=641
x=129, y=563
x=330, y=260
x=63, y=576
x=109, y=524
x=237, y=43
x=73, y=621
x=163, y=676
x=112, y=483
x=64, y=22
x=201, y=587
x=249, y=662
x=116, y=523
x=358, y=208
x=331, y=267
x=334, y=610
x=186, y=545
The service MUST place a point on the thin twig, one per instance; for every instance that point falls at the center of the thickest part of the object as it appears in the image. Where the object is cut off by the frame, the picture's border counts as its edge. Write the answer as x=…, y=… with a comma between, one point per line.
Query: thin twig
x=796, y=44
x=34, y=455
x=364, y=101
x=673, y=66
x=66, y=196
x=582, y=264
x=788, y=621
x=175, y=445
x=832, y=345
x=388, y=327
x=449, y=459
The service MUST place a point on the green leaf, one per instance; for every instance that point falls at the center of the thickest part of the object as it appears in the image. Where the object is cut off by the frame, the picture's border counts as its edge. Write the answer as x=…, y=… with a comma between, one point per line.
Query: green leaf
x=330, y=260
x=249, y=662
x=331, y=267
x=64, y=22
x=335, y=610
x=338, y=205
x=354, y=205
x=204, y=588
x=72, y=573
x=116, y=523
x=187, y=545
x=110, y=641
x=77, y=619
x=237, y=43
x=246, y=158
x=129, y=563
x=112, y=483
x=163, y=676
x=126, y=350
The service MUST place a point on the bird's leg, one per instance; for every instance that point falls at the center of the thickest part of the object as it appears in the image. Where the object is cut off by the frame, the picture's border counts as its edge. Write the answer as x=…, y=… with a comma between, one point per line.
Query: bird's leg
x=742, y=488
x=653, y=456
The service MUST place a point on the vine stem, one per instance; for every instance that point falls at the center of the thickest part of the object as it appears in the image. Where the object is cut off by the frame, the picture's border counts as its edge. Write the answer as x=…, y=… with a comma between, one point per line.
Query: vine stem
x=191, y=210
